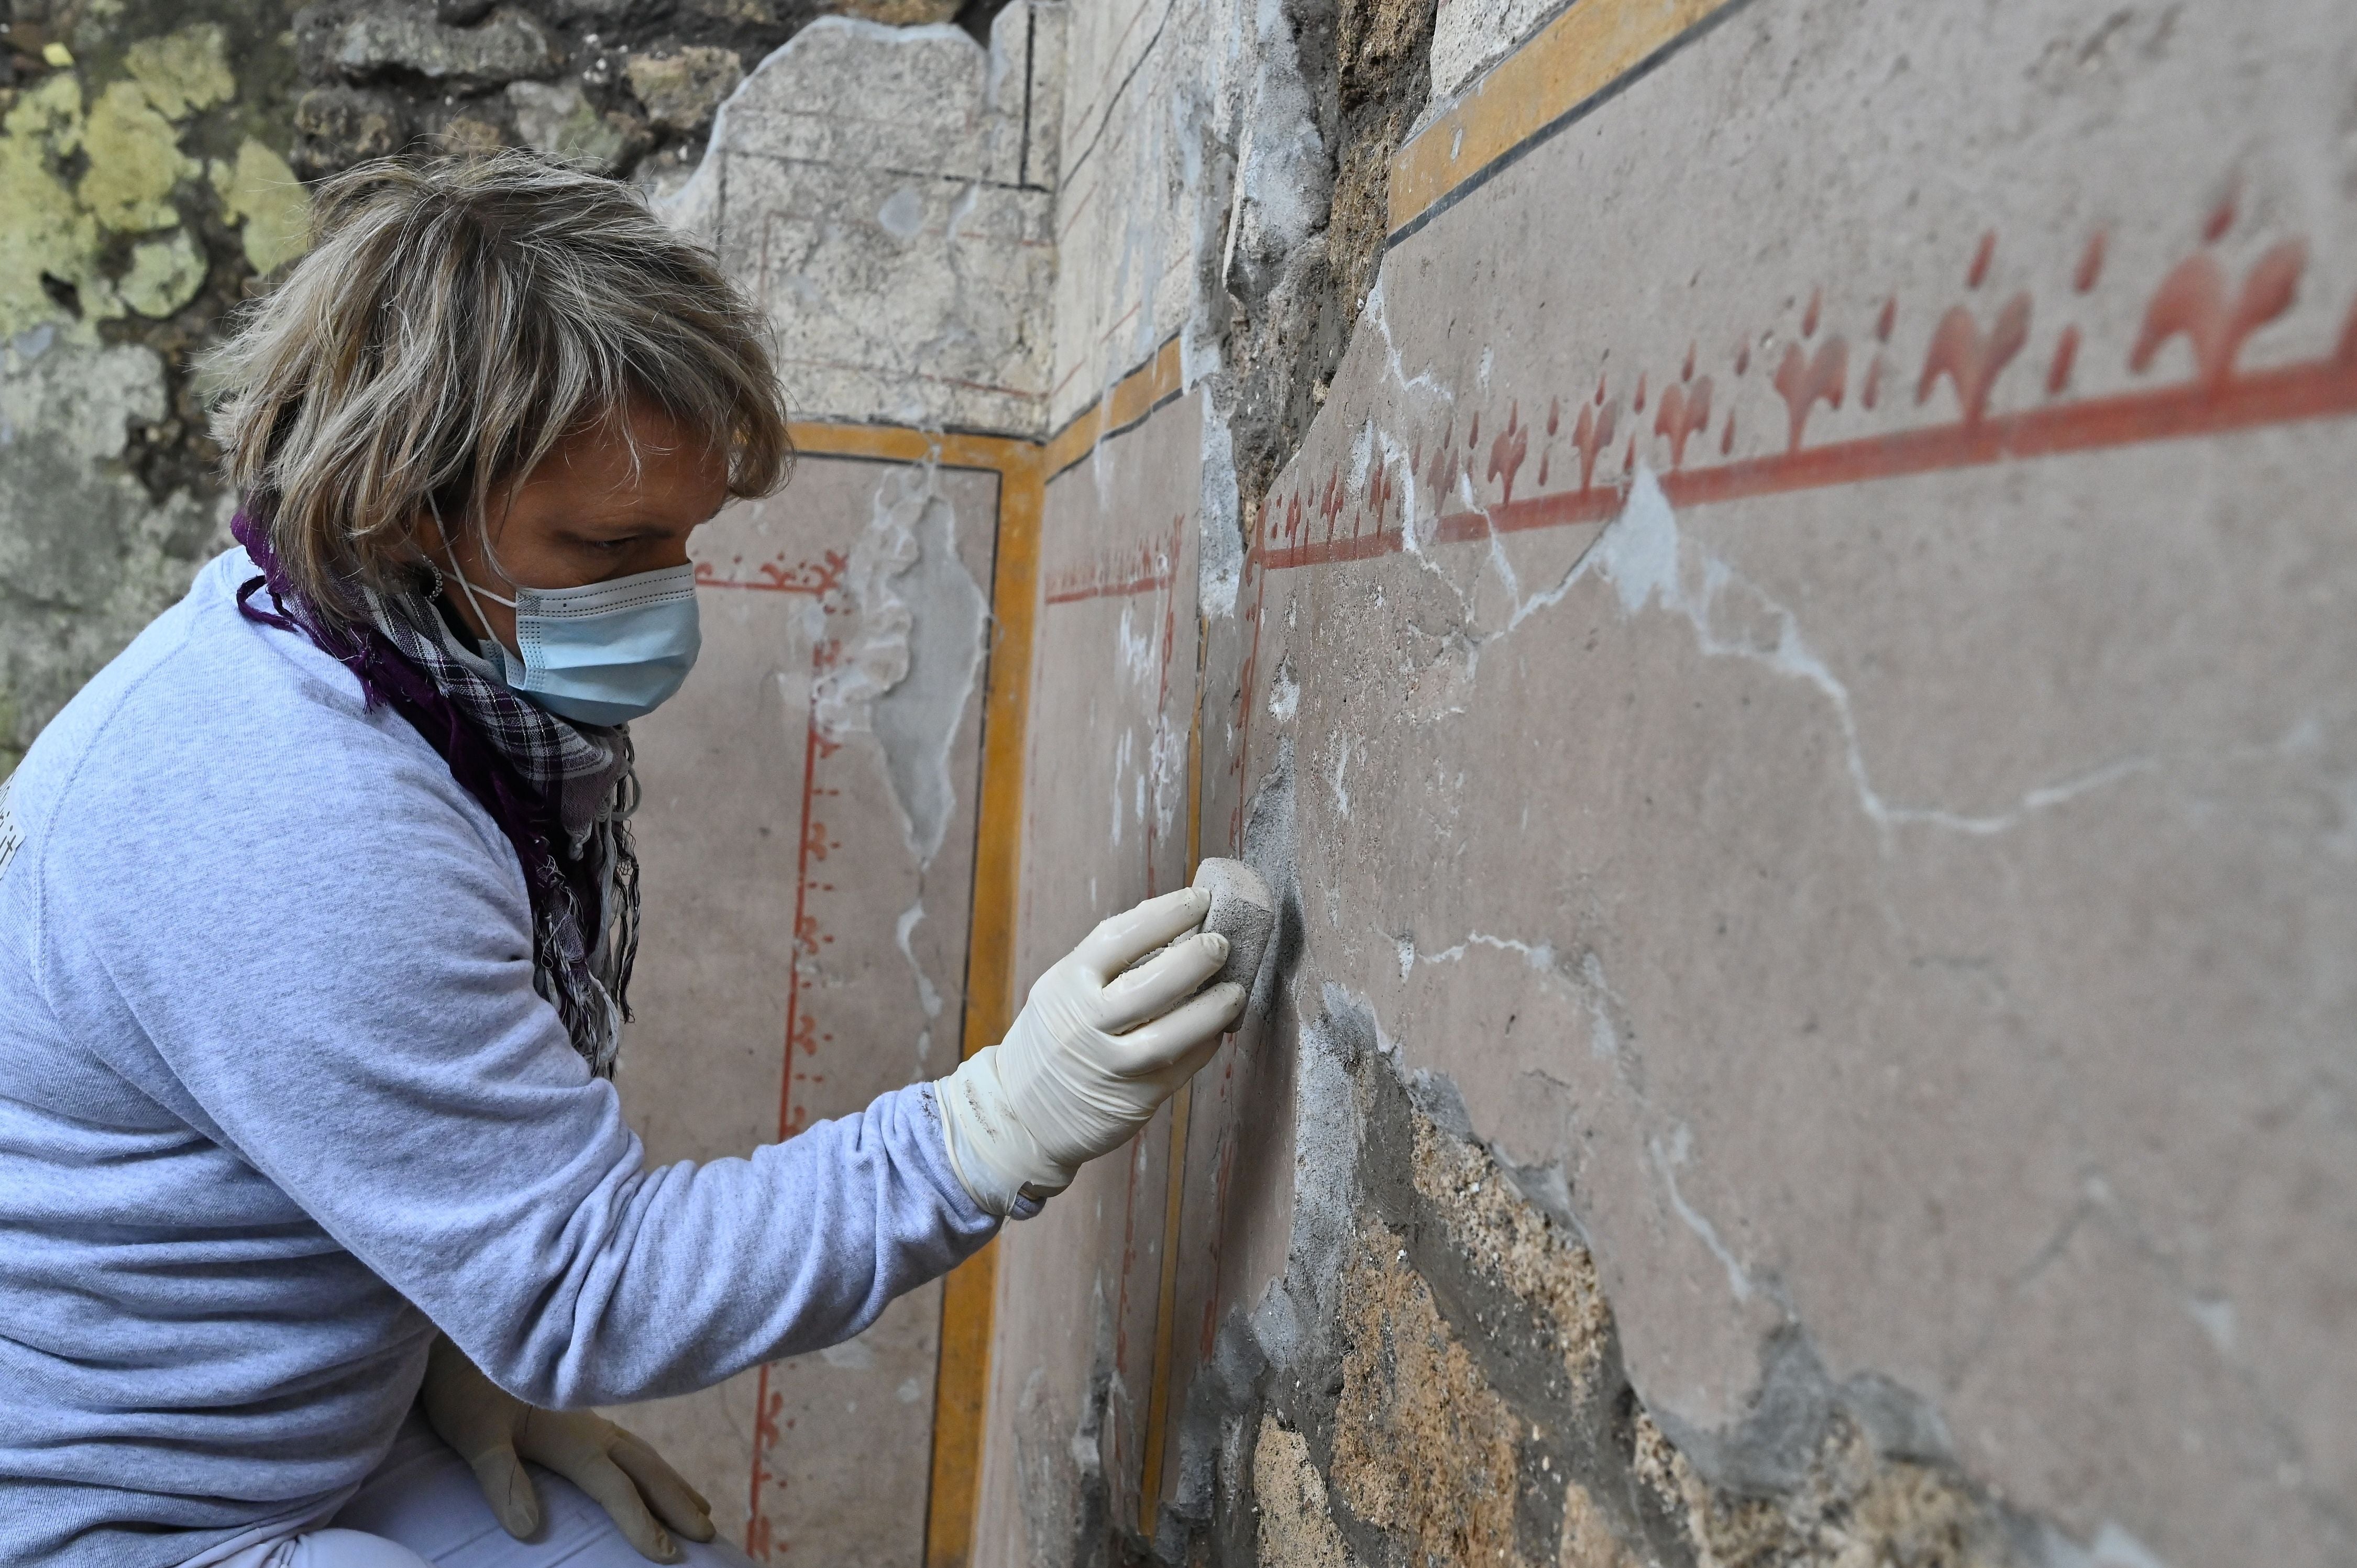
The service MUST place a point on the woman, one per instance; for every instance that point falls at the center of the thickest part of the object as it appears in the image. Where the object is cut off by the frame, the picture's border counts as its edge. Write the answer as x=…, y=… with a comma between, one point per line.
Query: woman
x=317, y=914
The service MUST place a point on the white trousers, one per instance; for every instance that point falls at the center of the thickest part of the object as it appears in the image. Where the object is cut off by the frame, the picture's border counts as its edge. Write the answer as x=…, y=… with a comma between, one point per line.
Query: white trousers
x=421, y=1509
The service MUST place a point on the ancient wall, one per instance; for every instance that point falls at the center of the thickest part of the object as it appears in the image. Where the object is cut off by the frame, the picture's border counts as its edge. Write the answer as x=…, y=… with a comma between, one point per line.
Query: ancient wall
x=142, y=182
x=825, y=917
x=807, y=832
x=1789, y=651
x=1766, y=578
x=150, y=152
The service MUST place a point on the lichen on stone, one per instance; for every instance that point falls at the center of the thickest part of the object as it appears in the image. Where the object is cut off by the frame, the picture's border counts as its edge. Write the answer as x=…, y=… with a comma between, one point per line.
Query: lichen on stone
x=48, y=233
x=164, y=274
x=142, y=190
x=260, y=195
x=183, y=71
x=136, y=162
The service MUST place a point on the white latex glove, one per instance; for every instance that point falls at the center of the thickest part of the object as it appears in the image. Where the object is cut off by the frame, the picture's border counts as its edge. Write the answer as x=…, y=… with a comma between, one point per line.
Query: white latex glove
x=1093, y=1054
x=495, y=1432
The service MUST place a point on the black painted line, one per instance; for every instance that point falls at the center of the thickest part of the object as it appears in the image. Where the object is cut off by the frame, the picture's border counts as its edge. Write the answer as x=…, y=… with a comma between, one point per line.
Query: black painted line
x=1560, y=124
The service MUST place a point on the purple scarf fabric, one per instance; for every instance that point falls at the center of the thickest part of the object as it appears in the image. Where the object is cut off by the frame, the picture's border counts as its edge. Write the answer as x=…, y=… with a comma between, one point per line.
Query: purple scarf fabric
x=562, y=793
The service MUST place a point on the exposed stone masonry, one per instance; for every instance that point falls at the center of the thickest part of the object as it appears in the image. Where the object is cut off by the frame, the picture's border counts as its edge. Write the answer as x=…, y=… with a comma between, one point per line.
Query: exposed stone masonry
x=1467, y=1402
x=153, y=157
x=628, y=86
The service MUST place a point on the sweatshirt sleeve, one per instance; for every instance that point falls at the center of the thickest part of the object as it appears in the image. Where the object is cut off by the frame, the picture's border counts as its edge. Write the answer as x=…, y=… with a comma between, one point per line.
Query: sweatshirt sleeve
x=332, y=977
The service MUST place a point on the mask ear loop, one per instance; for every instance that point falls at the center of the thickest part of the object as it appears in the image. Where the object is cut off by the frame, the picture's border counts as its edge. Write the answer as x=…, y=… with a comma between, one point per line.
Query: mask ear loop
x=465, y=587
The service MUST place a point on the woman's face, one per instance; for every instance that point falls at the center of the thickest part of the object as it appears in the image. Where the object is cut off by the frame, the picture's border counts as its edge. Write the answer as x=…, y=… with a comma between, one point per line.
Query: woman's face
x=586, y=515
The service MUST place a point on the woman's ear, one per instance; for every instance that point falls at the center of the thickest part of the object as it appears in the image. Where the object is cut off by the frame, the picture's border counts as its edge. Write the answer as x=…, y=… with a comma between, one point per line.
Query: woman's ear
x=422, y=539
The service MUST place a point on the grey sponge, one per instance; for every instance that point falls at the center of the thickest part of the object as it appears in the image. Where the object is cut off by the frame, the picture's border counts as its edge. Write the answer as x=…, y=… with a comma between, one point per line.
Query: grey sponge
x=1244, y=912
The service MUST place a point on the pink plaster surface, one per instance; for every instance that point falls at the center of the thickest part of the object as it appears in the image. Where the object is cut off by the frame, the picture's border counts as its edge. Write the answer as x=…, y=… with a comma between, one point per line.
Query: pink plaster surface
x=1105, y=825
x=1813, y=633
x=778, y=975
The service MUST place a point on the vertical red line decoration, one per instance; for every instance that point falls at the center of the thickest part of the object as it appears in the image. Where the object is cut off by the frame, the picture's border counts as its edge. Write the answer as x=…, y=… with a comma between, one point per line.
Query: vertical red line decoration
x=765, y=1427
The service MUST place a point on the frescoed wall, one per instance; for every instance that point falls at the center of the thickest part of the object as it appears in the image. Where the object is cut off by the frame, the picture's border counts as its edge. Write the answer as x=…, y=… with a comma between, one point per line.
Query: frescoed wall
x=1774, y=680
x=807, y=830
x=1770, y=583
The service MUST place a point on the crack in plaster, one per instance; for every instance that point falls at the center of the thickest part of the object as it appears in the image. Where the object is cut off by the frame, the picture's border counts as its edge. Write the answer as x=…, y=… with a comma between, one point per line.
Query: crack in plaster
x=1606, y=1044
x=1642, y=554
x=1665, y=1164
x=2101, y=1206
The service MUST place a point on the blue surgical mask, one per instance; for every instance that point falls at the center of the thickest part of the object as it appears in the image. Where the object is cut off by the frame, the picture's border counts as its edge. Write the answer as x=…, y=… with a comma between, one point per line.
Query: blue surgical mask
x=604, y=653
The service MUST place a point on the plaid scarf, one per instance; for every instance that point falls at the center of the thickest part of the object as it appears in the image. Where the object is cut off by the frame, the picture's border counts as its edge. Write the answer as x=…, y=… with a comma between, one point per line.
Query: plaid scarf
x=562, y=793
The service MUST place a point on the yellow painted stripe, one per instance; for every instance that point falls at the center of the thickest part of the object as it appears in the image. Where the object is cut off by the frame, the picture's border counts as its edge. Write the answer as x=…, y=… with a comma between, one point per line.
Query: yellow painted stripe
x=961, y=1404
x=1165, y=1312
x=1568, y=63
x=962, y=1376
x=1130, y=400
x=898, y=444
x=969, y=1295
x=1166, y=1315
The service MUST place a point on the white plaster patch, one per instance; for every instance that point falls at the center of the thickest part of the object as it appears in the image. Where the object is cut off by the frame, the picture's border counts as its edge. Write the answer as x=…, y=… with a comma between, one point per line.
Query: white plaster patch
x=2215, y=1314
x=929, y=995
x=1220, y=545
x=902, y=216
x=1135, y=648
x=1284, y=694
x=1123, y=752
x=1167, y=761
x=906, y=668
x=1603, y=1035
x=2116, y=1548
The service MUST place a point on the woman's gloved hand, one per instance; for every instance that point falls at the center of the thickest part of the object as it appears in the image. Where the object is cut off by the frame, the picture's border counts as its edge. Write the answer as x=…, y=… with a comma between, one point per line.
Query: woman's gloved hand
x=495, y=1432
x=1094, y=1051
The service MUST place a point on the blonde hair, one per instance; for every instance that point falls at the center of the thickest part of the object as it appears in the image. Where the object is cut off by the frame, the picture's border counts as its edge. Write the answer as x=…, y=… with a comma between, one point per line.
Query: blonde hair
x=453, y=321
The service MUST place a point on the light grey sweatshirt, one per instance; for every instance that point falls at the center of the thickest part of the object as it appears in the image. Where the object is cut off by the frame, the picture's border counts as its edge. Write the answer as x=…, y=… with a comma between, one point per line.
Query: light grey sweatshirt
x=277, y=1098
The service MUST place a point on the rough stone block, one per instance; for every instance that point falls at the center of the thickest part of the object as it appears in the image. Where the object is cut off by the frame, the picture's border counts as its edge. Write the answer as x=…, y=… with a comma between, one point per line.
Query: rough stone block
x=339, y=126
x=865, y=184
x=901, y=12
x=681, y=90
x=555, y=118
x=406, y=39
